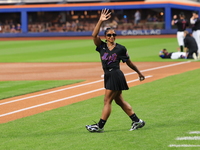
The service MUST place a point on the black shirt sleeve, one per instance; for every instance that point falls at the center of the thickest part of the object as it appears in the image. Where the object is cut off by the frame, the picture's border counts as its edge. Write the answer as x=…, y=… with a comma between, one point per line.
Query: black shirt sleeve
x=99, y=48
x=124, y=54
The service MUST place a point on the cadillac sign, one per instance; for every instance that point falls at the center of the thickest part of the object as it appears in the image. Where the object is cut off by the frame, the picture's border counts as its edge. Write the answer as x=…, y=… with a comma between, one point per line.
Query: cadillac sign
x=141, y=32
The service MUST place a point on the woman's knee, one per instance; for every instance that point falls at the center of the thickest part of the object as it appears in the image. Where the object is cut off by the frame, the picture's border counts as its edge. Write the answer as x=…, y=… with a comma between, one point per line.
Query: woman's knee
x=107, y=101
x=109, y=96
x=123, y=103
x=119, y=101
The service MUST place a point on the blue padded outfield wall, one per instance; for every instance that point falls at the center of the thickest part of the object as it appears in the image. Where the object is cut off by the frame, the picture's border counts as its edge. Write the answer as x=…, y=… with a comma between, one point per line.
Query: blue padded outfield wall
x=25, y=9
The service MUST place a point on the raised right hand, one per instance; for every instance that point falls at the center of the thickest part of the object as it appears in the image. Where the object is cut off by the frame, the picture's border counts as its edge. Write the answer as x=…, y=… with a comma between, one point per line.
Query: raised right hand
x=105, y=15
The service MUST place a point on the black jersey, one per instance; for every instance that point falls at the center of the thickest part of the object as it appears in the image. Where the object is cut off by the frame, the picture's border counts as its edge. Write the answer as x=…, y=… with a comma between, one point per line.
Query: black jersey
x=190, y=43
x=181, y=24
x=196, y=26
x=111, y=59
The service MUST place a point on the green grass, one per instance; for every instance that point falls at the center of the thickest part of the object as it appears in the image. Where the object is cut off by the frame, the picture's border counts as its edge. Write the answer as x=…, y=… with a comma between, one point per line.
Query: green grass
x=170, y=107
x=15, y=88
x=81, y=51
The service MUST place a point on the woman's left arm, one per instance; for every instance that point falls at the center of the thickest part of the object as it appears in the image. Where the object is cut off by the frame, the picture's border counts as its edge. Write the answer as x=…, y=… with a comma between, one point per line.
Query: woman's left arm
x=132, y=66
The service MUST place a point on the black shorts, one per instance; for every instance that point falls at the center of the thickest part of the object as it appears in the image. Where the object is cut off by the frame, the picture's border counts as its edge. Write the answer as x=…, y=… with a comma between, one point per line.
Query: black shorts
x=115, y=80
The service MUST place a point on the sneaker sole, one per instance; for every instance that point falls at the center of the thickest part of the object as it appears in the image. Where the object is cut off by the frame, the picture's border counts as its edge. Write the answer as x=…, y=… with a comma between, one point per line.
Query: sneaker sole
x=139, y=126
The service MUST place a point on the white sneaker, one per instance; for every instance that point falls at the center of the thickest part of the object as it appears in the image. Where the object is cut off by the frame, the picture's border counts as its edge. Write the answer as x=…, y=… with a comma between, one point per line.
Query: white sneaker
x=194, y=56
x=198, y=56
x=94, y=128
x=136, y=125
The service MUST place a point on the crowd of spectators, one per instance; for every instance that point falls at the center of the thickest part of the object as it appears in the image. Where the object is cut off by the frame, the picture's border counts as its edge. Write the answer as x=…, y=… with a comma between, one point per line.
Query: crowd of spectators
x=10, y=26
x=58, y=24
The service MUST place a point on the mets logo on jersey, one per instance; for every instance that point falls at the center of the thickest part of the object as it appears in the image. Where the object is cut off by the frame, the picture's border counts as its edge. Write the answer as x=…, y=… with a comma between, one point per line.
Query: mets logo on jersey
x=109, y=59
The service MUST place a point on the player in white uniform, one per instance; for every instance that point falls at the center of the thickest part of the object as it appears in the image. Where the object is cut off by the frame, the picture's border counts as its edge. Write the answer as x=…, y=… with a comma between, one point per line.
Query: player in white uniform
x=195, y=21
x=181, y=24
x=172, y=55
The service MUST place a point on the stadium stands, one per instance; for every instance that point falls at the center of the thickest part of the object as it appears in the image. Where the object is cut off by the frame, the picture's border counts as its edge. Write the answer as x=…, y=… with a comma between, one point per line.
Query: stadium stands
x=79, y=19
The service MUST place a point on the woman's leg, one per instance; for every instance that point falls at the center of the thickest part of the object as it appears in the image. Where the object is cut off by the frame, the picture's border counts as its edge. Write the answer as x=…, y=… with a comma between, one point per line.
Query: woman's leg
x=108, y=98
x=136, y=122
x=123, y=104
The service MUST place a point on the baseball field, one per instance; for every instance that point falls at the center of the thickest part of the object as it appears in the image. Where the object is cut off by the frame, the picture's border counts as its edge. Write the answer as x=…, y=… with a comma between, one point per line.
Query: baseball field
x=52, y=87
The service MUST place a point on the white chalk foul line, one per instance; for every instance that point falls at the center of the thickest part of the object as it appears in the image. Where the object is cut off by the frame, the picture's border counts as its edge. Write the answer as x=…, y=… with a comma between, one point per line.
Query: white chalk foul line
x=58, y=100
x=20, y=99
x=184, y=145
x=62, y=99
x=188, y=138
x=194, y=132
x=161, y=67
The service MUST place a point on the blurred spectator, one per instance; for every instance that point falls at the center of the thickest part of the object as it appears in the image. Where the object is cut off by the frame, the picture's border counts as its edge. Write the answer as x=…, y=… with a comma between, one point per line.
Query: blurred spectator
x=10, y=22
x=149, y=18
x=6, y=29
x=105, y=25
x=41, y=27
x=80, y=28
x=137, y=17
x=154, y=19
x=125, y=19
x=18, y=28
x=62, y=17
x=68, y=26
x=114, y=24
x=12, y=29
x=58, y=19
x=77, y=24
x=74, y=25
x=53, y=28
x=64, y=28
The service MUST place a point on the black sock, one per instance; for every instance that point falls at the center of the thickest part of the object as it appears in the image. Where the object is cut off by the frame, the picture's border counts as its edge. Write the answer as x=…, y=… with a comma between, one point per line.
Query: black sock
x=134, y=118
x=101, y=123
x=181, y=48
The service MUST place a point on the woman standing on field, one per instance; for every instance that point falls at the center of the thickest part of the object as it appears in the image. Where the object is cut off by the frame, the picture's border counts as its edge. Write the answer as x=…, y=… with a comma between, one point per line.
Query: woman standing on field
x=111, y=54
